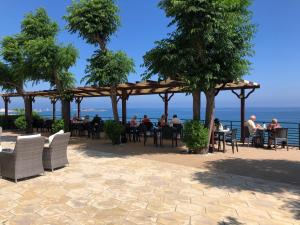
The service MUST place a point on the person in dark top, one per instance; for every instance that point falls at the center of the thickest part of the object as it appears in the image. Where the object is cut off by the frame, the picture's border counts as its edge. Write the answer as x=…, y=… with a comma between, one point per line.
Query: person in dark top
x=97, y=120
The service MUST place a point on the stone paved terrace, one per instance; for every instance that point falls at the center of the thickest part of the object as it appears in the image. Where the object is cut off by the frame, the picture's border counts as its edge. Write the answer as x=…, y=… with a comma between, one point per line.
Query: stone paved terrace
x=100, y=187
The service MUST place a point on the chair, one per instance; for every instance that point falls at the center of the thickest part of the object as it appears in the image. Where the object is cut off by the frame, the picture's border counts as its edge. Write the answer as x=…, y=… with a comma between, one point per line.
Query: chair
x=232, y=139
x=250, y=137
x=176, y=132
x=280, y=135
x=55, y=155
x=150, y=131
x=25, y=160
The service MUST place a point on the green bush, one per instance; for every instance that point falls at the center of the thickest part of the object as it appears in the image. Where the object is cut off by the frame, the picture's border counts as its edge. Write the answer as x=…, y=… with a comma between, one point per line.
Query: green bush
x=195, y=136
x=20, y=122
x=113, y=131
x=57, y=126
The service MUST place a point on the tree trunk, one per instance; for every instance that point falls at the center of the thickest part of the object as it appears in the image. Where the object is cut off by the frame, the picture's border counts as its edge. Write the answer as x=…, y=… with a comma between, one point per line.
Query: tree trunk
x=28, y=113
x=210, y=111
x=66, y=110
x=114, y=103
x=196, y=105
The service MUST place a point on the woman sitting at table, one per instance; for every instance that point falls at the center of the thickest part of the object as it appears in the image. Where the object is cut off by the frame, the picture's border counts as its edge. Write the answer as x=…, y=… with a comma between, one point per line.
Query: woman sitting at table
x=162, y=121
x=133, y=122
x=272, y=127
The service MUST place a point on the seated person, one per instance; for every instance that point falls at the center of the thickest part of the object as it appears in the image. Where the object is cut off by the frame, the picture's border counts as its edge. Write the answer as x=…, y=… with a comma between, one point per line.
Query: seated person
x=133, y=122
x=146, y=120
x=162, y=121
x=252, y=126
x=75, y=118
x=273, y=125
x=147, y=123
x=86, y=119
x=218, y=125
x=175, y=120
x=97, y=120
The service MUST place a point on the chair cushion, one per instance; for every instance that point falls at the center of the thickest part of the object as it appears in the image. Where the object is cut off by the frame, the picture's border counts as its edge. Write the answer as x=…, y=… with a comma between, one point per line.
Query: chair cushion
x=52, y=136
x=28, y=136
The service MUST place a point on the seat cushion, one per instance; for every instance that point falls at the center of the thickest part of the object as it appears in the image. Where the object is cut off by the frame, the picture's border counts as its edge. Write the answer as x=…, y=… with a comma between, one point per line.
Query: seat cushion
x=52, y=136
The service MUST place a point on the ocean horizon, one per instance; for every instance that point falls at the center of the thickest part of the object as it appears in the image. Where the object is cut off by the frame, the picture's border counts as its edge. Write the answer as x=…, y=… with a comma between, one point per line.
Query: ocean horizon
x=265, y=114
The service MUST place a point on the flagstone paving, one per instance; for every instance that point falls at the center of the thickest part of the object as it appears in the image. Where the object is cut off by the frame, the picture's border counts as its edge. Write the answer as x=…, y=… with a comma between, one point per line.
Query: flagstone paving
x=102, y=188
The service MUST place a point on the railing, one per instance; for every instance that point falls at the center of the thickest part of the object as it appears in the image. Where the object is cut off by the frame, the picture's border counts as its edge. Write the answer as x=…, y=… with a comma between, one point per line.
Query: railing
x=293, y=133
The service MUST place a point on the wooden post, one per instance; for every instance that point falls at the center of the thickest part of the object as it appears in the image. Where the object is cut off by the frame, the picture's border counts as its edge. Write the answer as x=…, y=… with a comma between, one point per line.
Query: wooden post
x=166, y=101
x=78, y=101
x=243, y=100
x=53, y=102
x=124, y=106
x=166, y=98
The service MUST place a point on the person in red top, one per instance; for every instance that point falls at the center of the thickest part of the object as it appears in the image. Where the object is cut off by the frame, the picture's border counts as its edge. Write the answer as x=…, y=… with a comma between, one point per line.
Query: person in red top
x=272, y=127
x=146, y=120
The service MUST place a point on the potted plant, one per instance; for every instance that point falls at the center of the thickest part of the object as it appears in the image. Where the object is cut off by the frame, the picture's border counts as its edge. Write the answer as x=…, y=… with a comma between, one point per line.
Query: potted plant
x=196, y=137
x=113, y=131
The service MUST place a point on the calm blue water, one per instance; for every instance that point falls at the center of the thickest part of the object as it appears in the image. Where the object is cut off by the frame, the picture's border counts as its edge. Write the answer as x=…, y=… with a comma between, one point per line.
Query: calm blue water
x=263, y=114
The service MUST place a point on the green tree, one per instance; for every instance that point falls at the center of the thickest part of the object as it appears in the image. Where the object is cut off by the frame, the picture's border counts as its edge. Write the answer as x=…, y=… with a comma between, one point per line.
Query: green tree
x=210, y=46
x=33, y=55
x=96, y=21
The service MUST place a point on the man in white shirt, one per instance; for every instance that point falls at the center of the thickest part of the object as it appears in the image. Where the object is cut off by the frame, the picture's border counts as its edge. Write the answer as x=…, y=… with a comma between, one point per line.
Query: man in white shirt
x=252, y=126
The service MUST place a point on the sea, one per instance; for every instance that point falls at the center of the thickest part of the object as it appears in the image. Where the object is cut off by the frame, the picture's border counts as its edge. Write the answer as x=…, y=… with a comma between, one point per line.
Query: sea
x=263, y=114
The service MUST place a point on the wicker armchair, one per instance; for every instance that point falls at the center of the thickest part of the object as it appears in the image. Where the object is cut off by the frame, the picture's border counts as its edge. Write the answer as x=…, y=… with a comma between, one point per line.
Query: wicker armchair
x=25, y=160
x=55, y=155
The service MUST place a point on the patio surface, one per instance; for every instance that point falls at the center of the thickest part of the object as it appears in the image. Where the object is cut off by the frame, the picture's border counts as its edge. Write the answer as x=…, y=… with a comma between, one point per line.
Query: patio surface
x=133, y=184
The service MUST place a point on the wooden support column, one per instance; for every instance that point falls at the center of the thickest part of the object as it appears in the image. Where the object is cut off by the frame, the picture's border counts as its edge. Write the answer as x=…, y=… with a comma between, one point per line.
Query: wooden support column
x=124, y=106
x=53, y=102
x=6, y=100
x=78, y=101
x=166, y=98
x=242, y=96
x=243, y=114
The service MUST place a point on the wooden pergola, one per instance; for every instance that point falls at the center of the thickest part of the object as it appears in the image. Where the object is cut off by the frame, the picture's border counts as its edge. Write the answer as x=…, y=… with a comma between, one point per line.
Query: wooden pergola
x=165, y=89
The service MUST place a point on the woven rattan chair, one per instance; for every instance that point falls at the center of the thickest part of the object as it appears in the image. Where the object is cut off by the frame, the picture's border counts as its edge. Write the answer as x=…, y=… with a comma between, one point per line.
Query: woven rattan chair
x=55, y=156
x=25, y=160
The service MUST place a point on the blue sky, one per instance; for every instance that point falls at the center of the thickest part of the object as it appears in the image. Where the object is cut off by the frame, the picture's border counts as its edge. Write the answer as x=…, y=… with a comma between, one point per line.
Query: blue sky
x=276, y=64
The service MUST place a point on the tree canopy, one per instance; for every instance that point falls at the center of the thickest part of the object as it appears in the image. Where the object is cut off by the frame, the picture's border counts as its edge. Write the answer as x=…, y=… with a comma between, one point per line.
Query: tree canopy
x=33, y=56
x=108, y=68
x=211, y=44
x=96, y=21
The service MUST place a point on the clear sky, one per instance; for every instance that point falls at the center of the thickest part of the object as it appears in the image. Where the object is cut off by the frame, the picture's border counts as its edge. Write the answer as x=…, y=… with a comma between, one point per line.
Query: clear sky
x=276, y=64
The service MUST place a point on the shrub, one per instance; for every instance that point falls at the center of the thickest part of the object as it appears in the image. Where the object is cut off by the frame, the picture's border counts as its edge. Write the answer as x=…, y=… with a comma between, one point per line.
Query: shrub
x=195, y=136
x=113, y=131
x=57, y=126
x=20, y=122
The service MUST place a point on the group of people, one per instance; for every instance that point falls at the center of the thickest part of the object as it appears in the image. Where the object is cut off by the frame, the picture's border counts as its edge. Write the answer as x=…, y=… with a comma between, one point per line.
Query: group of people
x=86, y=119
x=255, y=128
x=162, y=122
